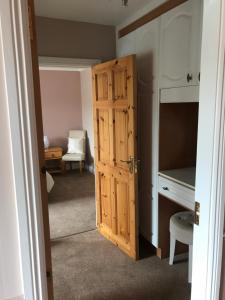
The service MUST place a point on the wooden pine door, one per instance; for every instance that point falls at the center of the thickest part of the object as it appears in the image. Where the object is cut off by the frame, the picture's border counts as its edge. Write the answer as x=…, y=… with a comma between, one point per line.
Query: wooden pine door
x=114, y=106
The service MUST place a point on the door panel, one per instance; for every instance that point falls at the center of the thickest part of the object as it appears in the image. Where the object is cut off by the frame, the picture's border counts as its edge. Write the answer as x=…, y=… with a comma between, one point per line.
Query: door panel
x=175, y=52
x=121, y=138
x=103, y=135
x=105, y=198
x=114, y=103
x=119, y=81
x=122, y=212
x=102, y=82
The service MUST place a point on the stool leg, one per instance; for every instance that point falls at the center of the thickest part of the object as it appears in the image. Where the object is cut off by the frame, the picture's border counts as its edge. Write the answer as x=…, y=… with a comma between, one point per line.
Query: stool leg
x=172, y=249
x=190, y=263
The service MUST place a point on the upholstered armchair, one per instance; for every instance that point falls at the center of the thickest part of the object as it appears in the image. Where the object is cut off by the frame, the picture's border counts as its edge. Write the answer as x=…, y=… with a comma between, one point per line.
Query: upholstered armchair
x=76, y=148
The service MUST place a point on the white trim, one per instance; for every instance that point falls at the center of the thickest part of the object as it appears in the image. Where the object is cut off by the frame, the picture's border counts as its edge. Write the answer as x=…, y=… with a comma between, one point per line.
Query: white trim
x=19, y=88
x=65, y=64
x=210, y=177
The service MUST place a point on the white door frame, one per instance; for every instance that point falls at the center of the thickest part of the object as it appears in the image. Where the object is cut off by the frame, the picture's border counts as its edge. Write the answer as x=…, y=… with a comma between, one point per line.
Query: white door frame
x=210, y=176
x=16, y=62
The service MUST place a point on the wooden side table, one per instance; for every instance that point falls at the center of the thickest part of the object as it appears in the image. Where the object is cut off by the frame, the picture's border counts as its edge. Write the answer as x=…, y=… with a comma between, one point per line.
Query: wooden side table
x=54, y=153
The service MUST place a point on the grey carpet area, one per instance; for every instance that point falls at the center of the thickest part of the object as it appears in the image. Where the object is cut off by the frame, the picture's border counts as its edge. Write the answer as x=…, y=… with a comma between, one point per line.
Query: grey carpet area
x=72, y=204
x=88, y=267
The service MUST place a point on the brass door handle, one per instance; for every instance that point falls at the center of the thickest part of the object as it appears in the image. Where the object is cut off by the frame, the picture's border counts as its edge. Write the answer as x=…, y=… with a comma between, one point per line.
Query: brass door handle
x=133, y=164
x=126, y=161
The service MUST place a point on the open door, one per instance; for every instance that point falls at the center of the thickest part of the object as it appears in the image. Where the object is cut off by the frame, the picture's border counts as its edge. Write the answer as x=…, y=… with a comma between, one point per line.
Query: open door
x=115, y=109
x=39, y=126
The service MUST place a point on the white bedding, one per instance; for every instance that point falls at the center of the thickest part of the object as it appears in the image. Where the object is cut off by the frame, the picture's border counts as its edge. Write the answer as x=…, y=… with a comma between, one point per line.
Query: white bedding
x=50, y=182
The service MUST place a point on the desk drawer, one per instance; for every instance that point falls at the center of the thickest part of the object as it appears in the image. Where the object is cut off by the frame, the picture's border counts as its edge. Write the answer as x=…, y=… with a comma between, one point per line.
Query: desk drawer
x=176, y=192
x=53, y=154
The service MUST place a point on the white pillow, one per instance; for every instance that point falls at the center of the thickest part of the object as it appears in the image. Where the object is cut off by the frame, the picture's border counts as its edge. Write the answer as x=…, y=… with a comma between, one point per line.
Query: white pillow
x=75, y=145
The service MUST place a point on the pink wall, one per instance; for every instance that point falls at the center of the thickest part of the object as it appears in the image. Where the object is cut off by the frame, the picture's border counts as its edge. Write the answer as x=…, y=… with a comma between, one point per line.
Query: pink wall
x=61, y=104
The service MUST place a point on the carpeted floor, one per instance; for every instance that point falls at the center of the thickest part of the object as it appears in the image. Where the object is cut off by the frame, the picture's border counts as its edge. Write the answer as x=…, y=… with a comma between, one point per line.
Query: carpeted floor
x=88, y=267
x=72, y=204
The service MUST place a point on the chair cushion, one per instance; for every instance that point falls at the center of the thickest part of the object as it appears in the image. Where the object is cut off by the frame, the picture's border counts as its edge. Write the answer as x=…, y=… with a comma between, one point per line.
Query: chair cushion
x=75, y=145
x=181, y=227
x=73, y=157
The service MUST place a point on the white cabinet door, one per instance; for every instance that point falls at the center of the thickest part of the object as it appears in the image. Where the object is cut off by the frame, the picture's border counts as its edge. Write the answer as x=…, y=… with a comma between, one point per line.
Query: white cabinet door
x=196, y=40
x=180, y=45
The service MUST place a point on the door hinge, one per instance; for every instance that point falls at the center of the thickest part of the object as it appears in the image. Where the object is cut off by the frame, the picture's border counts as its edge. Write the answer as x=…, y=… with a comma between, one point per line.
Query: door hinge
x=30, y=16
x=197, y=213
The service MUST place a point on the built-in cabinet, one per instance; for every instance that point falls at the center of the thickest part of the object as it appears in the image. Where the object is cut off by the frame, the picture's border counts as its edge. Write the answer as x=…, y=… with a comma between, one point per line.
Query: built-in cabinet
x=180, y=42
x=168, y=65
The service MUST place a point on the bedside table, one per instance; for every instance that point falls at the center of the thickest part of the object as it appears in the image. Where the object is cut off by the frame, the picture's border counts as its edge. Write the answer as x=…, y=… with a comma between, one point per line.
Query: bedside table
x=54, y=153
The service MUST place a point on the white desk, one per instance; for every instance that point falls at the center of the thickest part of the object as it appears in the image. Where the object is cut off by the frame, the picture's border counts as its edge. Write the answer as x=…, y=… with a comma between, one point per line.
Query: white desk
x=178, y=185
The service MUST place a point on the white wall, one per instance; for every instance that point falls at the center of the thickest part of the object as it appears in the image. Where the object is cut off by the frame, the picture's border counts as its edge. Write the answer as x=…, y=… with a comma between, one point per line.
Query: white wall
x=144, y=42
x=87, y=113
x=10, y=269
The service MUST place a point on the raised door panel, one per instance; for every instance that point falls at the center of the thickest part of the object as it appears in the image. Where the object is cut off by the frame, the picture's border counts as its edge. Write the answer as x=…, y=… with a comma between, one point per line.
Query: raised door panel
x=175, y=46
x=105, y=200
x=102, y=82
x=103, y=132
x=122, y=210
x=119, y=76
x=121, y=138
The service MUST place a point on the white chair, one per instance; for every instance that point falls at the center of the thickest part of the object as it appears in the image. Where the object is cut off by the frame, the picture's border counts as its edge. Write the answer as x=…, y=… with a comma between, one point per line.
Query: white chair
x=181, y=229
x=79, y=136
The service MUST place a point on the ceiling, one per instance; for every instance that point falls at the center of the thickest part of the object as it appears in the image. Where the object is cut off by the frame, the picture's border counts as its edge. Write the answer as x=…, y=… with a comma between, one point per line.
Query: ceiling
x=108, y=12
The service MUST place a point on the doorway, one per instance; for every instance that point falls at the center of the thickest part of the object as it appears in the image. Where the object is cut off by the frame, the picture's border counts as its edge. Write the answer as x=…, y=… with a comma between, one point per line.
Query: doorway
x=75, y=242
x=66, y=111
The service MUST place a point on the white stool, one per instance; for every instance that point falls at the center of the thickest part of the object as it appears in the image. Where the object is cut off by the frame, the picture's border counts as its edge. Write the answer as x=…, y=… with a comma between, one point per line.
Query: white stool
x=181, y=229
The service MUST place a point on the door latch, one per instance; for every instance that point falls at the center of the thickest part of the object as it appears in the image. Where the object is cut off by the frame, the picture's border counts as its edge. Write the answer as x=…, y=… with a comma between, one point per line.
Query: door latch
x=197, y=213
x=133, y=164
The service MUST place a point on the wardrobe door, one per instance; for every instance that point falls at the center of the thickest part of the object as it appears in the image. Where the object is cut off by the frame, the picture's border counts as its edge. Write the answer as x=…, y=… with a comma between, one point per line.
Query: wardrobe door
x=179, y=43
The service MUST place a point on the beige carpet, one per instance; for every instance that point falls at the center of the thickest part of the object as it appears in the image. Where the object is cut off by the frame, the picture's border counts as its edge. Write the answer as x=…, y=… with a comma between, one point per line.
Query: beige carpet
x=88, y=267
x=72, y=204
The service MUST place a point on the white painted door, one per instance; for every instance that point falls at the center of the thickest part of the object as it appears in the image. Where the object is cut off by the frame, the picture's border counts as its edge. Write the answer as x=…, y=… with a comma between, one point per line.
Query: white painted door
x=180, y=45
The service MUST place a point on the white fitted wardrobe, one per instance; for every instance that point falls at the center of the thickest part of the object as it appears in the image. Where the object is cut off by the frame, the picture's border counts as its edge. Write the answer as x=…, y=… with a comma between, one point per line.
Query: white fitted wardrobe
x=168, y=66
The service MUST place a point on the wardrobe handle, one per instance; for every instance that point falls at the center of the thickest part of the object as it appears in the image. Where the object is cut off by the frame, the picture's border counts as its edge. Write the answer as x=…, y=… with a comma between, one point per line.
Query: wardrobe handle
x=199, y=76
x=189, y=77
